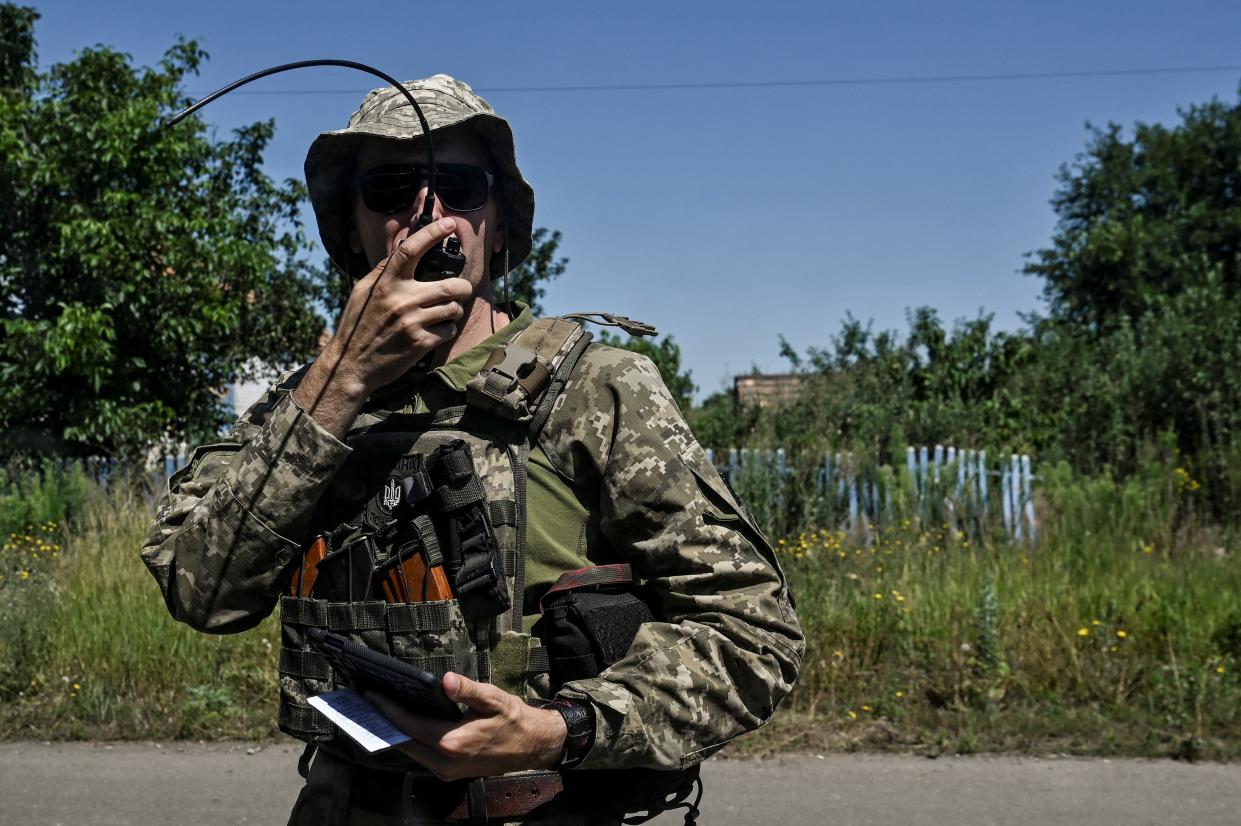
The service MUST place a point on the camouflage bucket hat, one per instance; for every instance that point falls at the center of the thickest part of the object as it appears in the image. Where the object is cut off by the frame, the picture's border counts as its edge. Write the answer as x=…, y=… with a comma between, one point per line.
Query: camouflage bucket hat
x=385, y=113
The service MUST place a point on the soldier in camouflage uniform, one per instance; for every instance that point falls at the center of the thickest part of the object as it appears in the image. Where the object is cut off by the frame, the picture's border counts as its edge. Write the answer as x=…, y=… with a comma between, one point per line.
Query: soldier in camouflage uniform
x=613, y=475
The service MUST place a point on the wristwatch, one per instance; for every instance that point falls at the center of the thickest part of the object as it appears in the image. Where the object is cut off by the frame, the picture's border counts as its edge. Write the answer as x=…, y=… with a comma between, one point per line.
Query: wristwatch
x=579, y=719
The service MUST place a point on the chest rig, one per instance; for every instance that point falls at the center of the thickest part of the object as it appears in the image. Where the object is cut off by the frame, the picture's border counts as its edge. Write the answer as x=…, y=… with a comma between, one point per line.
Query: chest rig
x=450, y=484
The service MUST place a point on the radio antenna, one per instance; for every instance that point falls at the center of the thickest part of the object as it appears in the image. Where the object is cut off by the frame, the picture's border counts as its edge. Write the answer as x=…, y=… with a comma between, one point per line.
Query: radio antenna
x=425, y=218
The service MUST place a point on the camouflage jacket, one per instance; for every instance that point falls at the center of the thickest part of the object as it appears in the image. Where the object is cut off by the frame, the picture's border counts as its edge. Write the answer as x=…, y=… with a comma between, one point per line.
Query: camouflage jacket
x=230, y=527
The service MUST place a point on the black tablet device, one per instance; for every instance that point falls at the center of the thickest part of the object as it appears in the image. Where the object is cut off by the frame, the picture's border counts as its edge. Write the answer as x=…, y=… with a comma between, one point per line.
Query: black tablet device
x=420, y=691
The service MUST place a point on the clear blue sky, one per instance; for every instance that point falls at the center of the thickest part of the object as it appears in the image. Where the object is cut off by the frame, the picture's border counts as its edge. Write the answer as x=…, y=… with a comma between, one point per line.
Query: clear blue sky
x=730, y=216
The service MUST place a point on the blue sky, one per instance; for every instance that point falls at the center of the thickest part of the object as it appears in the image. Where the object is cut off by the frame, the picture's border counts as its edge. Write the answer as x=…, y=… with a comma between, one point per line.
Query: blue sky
x=728, y=217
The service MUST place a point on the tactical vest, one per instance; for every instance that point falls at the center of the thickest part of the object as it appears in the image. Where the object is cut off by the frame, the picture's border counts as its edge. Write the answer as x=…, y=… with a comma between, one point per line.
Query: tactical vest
x=483, y=501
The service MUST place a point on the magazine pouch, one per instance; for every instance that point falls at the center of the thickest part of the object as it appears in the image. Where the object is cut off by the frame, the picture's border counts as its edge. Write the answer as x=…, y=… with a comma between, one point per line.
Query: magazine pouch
x=430, y=635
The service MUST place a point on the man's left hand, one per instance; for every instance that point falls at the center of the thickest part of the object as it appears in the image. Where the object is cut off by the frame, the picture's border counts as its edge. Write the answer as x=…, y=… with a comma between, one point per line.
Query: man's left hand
x=498, y=734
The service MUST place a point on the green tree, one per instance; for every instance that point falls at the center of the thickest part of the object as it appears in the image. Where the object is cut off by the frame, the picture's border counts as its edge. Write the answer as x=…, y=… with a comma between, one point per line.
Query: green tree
x=141, y=268
x=937, y=385
x=1145, y=218
x=1142, y=280
x=528, y=281
x=720, y=423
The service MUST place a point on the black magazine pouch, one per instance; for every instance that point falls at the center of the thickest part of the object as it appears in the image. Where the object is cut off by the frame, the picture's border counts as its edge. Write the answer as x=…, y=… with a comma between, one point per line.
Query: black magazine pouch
x=468, y=541
x=590, y=617
x=589, y=620
x=587, y=631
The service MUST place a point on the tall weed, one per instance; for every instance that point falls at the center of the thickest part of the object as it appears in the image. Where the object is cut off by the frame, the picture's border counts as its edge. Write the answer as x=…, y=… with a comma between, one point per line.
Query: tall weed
x=1119, y=632
x=112, y=663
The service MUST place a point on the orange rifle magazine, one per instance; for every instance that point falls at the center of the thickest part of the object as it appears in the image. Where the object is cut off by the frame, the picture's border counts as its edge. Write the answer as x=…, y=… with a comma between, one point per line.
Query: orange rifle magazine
x=409, y=580
x=304, y=577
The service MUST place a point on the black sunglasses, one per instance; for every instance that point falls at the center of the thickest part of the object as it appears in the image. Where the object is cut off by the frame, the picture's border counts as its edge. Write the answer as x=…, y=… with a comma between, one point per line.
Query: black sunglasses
x=393, y=188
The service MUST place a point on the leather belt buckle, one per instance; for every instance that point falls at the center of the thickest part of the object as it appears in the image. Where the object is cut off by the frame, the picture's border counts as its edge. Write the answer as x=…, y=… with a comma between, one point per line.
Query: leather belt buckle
x=491, y=799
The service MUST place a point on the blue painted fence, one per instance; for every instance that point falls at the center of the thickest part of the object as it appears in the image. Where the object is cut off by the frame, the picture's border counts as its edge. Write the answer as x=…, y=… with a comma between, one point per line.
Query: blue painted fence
x=966, y=489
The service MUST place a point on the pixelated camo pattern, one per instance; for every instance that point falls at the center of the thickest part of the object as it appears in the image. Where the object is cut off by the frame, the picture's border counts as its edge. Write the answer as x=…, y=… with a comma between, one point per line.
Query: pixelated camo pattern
x=444, y=100
x=295, y=481
x=229, y=524
x=730, y=646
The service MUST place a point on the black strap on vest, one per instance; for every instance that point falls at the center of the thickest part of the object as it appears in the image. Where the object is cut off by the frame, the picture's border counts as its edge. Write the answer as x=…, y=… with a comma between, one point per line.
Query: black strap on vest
x=470, y=550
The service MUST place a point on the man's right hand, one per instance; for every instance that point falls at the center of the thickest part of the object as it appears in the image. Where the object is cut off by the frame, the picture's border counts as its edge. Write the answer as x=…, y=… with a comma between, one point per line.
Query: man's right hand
x=390, y=324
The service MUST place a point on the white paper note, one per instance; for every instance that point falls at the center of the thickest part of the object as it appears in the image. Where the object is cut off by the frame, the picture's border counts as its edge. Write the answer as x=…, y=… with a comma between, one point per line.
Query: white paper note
x=359, y=719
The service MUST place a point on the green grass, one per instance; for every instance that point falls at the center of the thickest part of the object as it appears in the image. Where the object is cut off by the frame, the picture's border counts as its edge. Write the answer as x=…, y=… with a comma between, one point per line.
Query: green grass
x=107, y=661
x=1118, y=633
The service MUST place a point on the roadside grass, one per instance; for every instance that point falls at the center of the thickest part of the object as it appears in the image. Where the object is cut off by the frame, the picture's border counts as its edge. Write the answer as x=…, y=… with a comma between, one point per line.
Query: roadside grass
x=1118, y=633
x=109, y=662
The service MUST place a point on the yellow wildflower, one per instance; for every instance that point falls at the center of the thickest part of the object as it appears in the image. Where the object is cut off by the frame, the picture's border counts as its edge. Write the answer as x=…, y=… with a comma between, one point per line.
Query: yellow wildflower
x=1122, y=633
x=878, y=596
x=1083, y=632
x=900, y=694
x=1219, y=669
x=867, y=708
x=838, y=654
x=852, y=714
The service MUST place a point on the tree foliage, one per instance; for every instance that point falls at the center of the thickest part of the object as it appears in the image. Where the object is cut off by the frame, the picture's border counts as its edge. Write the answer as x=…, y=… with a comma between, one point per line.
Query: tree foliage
x=1144, y=219
x=141, y=268
x=528, y=281
x=876, y=391
x=1140, y=350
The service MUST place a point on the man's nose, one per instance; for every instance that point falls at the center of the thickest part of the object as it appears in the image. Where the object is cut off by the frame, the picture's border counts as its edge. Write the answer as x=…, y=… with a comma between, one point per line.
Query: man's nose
x=436, y=213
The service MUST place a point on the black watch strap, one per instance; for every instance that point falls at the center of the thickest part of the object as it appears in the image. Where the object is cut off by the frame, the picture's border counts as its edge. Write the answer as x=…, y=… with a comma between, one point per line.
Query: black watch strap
x=579, y=719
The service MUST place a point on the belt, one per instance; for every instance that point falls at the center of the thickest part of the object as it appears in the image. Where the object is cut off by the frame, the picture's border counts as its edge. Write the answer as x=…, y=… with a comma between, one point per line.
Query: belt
x=489, y=798
x=484, y=799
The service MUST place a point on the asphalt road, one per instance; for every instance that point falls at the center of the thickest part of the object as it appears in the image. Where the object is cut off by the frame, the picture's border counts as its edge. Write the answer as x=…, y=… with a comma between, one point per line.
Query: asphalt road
x=187, y=784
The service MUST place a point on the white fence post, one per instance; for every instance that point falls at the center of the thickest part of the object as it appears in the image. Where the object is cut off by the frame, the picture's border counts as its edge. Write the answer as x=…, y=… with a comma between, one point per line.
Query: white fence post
x=855, y=493
x=1027, y=494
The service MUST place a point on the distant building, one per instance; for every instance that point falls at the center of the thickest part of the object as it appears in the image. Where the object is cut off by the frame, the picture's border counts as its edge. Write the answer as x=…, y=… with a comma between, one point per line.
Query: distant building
x=764, y=389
